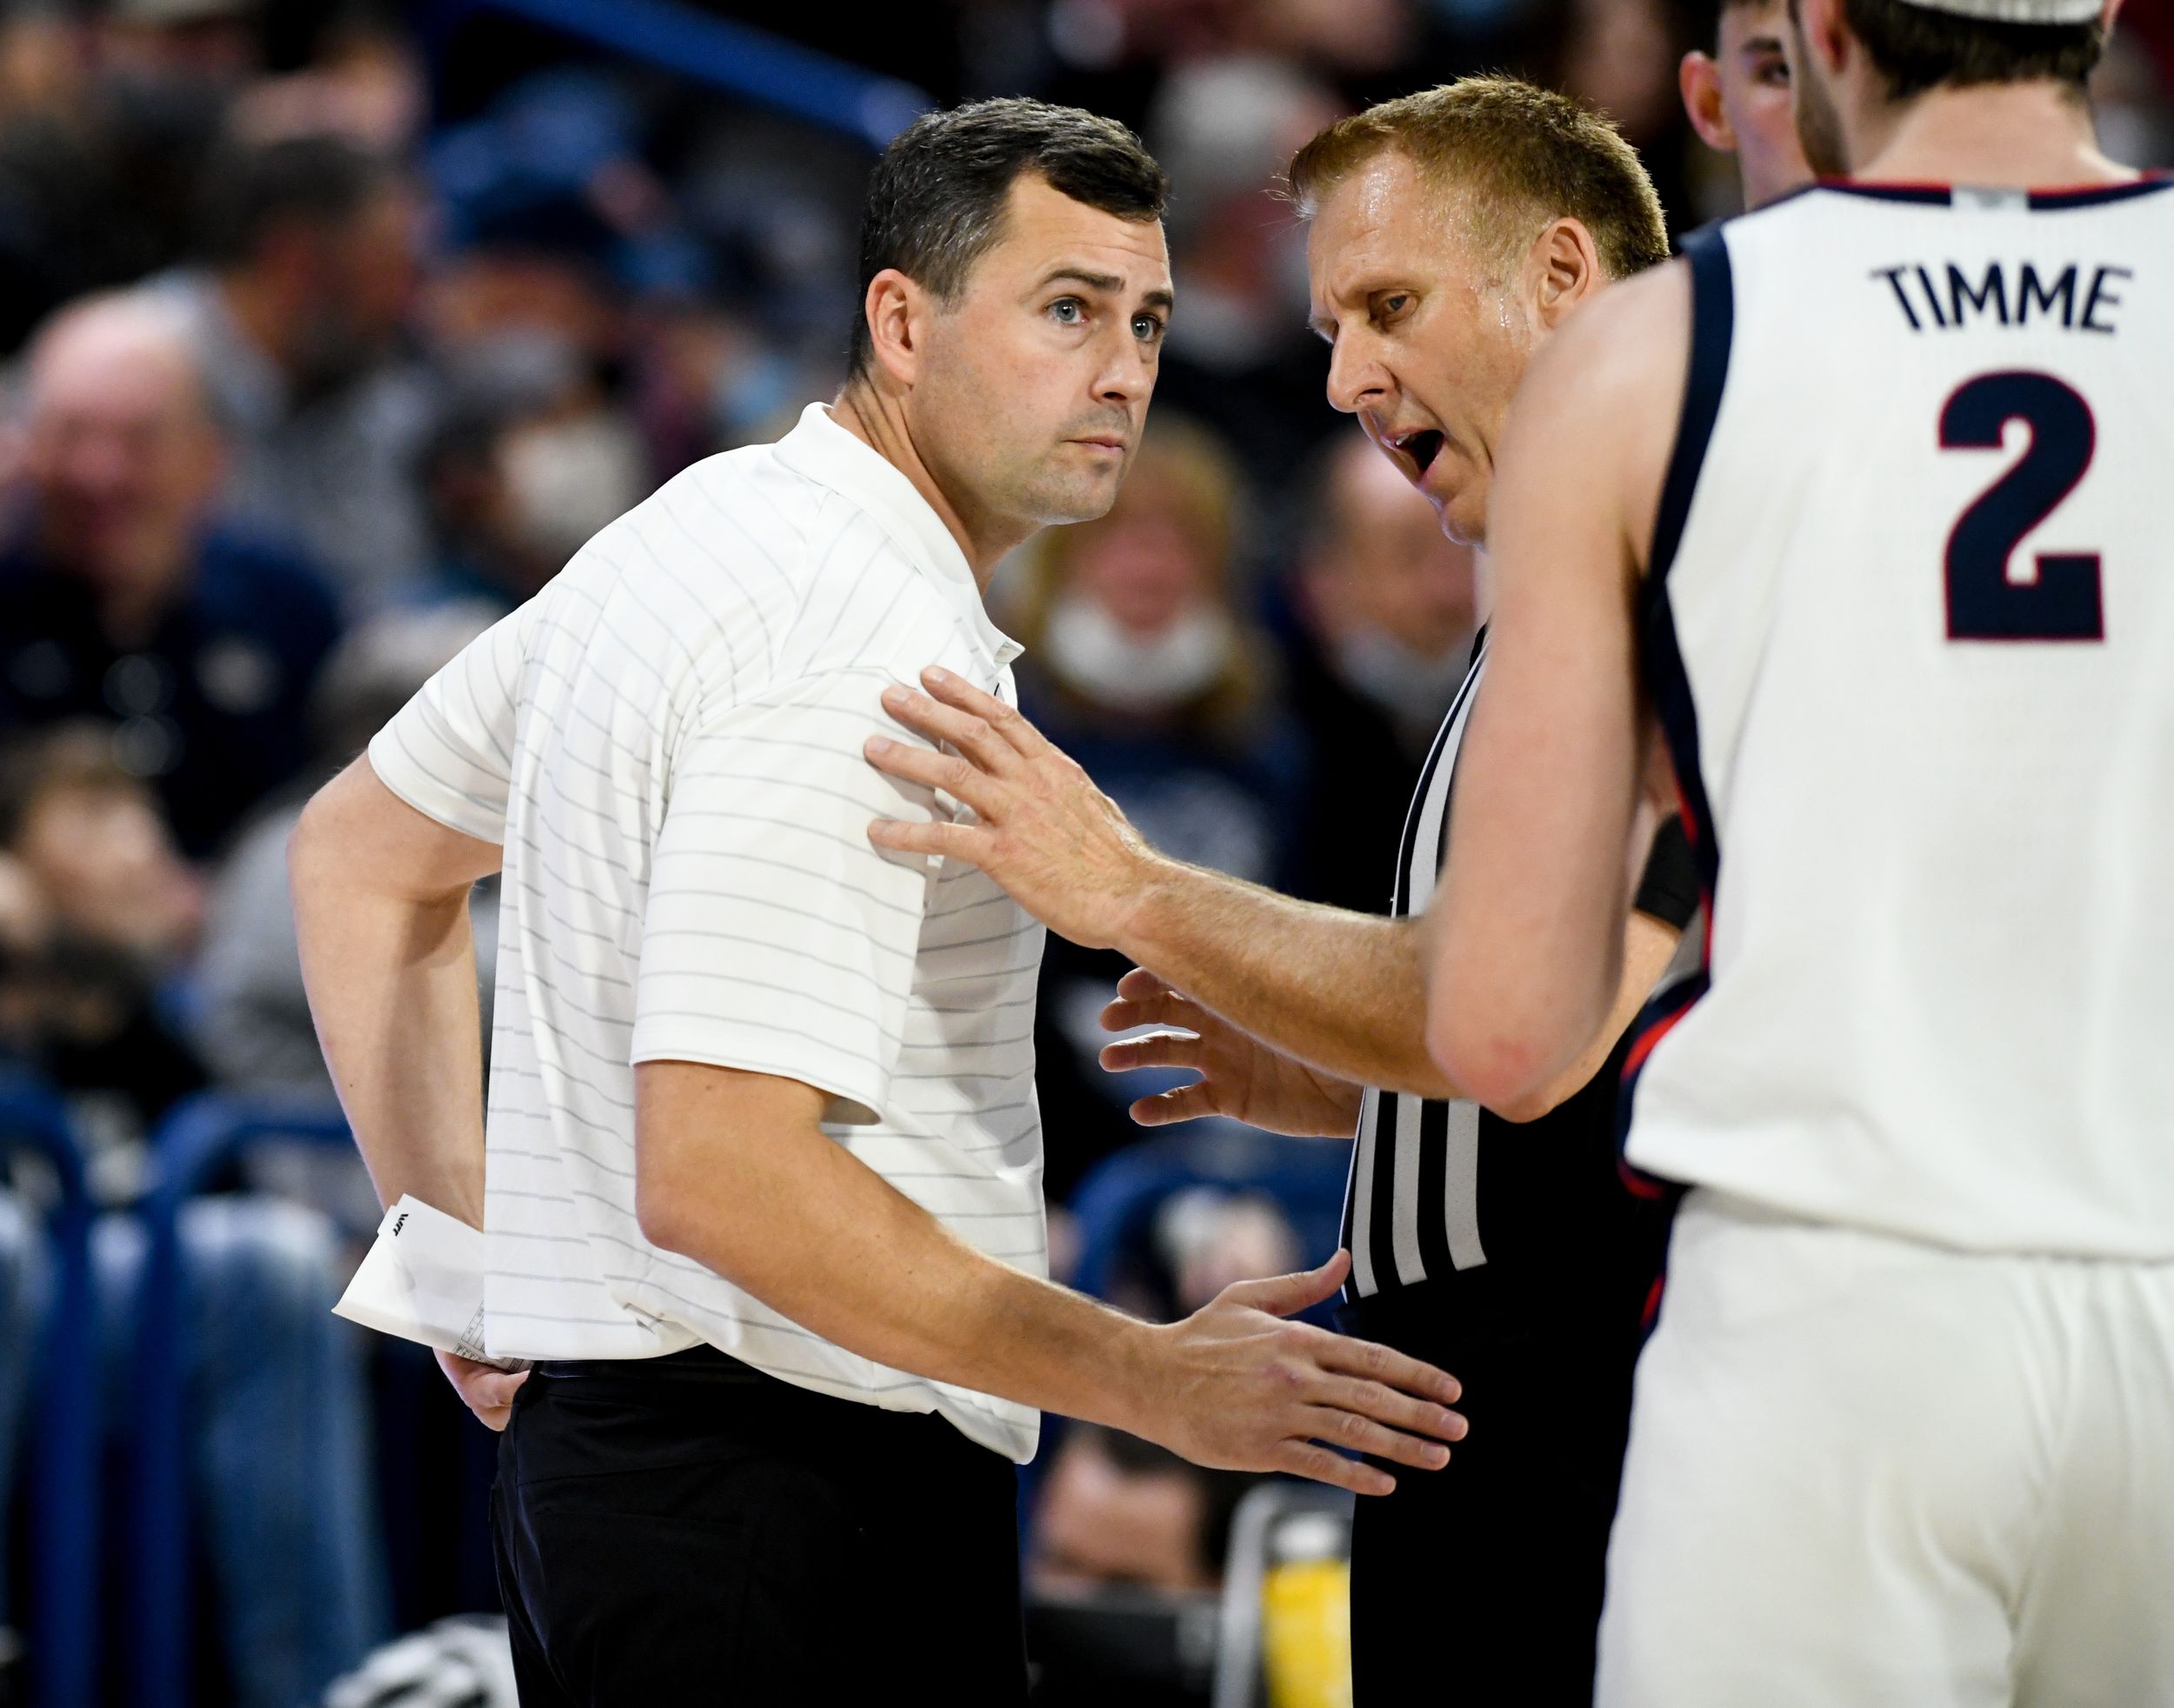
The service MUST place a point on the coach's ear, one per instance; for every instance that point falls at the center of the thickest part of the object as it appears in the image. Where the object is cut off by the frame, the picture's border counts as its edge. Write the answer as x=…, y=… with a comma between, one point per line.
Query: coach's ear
x=1561, y=269
x=897, y=309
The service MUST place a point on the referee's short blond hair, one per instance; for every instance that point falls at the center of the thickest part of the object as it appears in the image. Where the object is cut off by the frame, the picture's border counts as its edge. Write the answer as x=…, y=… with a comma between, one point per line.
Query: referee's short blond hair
x=1513, y=155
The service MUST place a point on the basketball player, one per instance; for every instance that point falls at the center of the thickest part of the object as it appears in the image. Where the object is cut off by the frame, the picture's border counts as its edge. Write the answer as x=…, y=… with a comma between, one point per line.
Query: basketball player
x=1869, y=494
x=1737, y=96
x=1451, y=232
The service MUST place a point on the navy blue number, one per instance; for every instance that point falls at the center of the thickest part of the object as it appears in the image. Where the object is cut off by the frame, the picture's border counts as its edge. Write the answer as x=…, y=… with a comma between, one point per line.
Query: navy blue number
x=1984, y=602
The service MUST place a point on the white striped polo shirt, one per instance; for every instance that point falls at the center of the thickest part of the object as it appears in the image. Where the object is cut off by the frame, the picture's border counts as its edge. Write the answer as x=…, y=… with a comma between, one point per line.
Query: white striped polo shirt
x=667, y=743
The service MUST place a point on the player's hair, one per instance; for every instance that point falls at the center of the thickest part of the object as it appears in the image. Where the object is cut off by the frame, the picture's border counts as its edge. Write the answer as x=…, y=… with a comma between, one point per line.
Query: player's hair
x=1915, y=48
x=936, y=200
x=1699, y=22
x=252, y=187
x=1516, y=156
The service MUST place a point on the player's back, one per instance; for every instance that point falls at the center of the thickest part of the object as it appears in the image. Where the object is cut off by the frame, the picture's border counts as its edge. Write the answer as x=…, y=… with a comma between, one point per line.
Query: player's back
x=1917, y=628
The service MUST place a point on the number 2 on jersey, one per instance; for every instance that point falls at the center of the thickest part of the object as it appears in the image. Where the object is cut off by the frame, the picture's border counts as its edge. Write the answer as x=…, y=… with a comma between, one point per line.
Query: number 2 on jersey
x=1984, y=603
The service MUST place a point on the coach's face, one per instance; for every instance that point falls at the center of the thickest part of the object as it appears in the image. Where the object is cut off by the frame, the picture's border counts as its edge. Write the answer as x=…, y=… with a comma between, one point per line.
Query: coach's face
x=1427, y=344
x=1035, y=383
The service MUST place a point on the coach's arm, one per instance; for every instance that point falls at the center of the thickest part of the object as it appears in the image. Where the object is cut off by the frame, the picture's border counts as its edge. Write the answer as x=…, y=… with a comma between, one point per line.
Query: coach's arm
x=389, y=963
x=733, y=1169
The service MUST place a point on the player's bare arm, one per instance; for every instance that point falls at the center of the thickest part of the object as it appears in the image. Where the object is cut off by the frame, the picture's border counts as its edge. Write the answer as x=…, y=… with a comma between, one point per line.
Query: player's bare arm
x=1527, y=926
x=389, y=962
x=733, y=1169
x=1316, y=1001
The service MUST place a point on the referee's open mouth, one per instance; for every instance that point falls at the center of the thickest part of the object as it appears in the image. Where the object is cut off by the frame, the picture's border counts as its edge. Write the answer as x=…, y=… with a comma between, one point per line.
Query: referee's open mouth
x=1418, y=449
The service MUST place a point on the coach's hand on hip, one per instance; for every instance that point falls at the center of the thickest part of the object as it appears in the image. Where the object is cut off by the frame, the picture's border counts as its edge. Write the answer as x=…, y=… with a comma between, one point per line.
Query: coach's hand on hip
x=1058, y=844
x=1240, y=1077
x=484, y=1388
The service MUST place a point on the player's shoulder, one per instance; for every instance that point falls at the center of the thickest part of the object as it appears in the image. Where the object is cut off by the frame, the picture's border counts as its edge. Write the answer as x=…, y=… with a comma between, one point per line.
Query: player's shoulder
x=1622, y=349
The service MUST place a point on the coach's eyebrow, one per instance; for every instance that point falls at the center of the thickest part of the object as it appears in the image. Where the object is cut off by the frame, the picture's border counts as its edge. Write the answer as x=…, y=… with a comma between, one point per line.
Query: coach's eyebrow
x=1102, y=281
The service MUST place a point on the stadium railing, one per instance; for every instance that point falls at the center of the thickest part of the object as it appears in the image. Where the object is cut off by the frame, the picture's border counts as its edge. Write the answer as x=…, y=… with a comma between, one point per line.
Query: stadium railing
x=740, y=60
x=198, y=1140
x=63, y=1457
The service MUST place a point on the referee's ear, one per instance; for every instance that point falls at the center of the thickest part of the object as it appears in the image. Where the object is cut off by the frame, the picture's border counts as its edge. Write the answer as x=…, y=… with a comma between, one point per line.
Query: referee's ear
x=897, y=311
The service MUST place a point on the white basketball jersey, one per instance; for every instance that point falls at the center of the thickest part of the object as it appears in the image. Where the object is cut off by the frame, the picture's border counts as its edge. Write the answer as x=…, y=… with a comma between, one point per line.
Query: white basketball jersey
x=1911, y=625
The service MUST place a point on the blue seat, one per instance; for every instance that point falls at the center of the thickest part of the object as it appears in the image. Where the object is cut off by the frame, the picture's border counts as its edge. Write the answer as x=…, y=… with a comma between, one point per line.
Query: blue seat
x=1117, y=1201
x=198, y=1139
x=64, y=1458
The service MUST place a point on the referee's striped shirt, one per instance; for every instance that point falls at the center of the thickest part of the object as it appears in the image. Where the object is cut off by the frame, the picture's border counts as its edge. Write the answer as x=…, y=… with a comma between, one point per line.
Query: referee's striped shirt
x=1441, y=1188
x=667, y=743
x=1412, y=1208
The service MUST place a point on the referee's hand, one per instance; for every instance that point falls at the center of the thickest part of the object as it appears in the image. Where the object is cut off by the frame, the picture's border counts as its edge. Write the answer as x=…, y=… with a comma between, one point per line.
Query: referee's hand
x=1237, y=1388
x=1063, y=849
x=486, y=1389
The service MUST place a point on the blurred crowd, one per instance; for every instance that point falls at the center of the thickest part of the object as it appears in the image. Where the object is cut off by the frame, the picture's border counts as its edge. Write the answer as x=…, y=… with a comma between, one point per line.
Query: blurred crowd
x=329, y=332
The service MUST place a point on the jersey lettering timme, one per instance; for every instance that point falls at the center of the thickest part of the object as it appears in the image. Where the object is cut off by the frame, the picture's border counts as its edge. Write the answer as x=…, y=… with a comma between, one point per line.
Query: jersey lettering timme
x=1911, y=625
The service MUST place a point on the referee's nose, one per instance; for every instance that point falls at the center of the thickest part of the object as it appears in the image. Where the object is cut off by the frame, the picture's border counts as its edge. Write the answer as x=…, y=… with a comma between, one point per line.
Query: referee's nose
x=1357, y=379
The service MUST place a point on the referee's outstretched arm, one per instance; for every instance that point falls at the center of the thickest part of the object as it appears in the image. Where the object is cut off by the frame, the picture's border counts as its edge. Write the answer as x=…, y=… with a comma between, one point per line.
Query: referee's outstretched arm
x=1343, y=993
x=734, y=1170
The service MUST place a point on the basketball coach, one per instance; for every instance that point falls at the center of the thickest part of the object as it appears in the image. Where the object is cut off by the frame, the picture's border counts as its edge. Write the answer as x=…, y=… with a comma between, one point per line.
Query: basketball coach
x=761, y=1174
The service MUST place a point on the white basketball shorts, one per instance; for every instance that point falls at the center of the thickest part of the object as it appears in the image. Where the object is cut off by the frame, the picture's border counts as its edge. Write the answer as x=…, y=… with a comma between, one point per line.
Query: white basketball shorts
x=1865, y=1472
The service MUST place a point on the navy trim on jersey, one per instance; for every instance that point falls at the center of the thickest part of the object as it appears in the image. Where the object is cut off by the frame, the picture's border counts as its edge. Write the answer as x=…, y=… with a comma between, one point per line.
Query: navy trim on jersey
x=2097, y=195
x=1929, y=194
x=1713, y=329
x=2039, y=200
x=1712, y=339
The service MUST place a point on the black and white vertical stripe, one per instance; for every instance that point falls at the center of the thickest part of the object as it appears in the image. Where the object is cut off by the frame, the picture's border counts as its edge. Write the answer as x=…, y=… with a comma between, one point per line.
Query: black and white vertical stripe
x=1412, y=1208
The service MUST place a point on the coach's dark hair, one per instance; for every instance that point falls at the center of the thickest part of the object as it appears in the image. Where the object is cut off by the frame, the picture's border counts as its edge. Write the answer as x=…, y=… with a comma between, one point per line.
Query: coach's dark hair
x=252, y=187
x=1915, y=48
x=936, y=200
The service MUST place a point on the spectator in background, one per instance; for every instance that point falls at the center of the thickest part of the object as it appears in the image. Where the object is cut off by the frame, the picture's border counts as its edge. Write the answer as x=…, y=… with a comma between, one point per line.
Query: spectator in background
x=1117, y=1509
x=107, y=910
x=95, y=908
x=120, y=601
x=106, y=118
x=1387, y=612
x=486, y=546
x=1142, y=662
x=308, y=263
x=1239, y=357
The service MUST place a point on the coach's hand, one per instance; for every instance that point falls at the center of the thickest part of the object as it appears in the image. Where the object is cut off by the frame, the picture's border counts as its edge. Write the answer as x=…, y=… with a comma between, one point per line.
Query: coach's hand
x=1236, y=1388
x=487, y=1391
x=1240, y=1077
x=1057, y=842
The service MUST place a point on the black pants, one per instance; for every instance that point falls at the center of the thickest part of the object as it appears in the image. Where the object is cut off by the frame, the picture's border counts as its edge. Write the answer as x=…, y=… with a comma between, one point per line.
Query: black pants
x=685, y=1530
x=1480, y=1583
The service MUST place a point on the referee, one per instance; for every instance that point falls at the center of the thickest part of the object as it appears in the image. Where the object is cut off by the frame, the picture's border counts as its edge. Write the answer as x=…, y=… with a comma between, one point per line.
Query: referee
x=1514, y=1253
x=760, y=1176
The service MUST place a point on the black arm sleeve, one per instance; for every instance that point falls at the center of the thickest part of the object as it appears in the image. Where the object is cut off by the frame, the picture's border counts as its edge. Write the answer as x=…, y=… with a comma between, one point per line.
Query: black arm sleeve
x=1669, y=892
